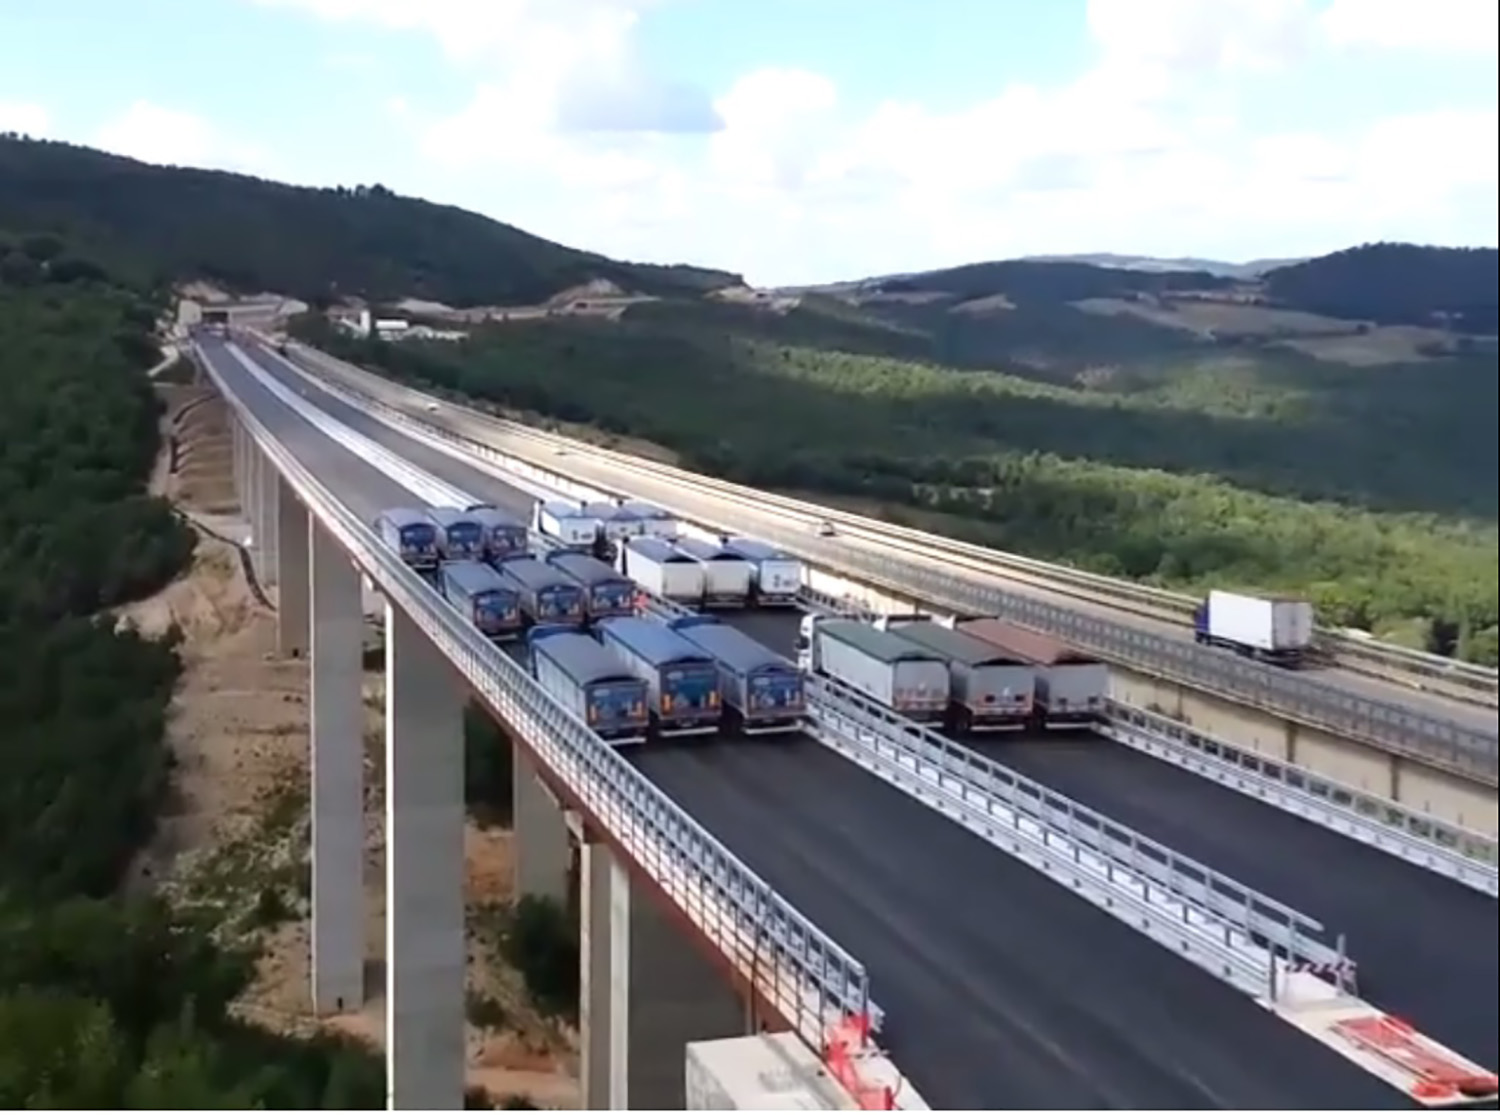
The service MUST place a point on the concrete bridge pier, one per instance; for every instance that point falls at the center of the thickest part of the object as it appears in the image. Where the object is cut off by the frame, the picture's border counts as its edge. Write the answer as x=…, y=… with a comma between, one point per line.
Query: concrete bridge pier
x=542, y=849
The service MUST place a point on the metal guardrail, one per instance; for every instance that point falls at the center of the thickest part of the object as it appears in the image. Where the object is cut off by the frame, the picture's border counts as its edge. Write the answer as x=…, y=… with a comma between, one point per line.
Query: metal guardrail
x=1468, y=857
x=809, y=978
x=1386, y=726
x=1223, y=926
x=1110, y=591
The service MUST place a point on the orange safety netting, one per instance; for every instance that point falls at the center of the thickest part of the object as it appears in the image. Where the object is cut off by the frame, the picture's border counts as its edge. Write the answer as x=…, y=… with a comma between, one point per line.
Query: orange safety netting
x=844, y=1041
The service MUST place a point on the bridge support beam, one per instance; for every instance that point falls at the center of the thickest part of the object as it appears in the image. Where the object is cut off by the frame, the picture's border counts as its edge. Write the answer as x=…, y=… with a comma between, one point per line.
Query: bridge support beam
x=267, y=483
x=424, y=832
x=338, y=774
x=542, y=850
x=645, y=992
x=294, y=564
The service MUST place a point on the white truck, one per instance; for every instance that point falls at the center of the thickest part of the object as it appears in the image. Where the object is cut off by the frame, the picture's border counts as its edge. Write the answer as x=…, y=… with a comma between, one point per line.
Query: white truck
x=567, y=523
x=881, y=665
x=991, y=690
x=776, y=576
x=660, y=568
x=1272, y=629
x=726, y=575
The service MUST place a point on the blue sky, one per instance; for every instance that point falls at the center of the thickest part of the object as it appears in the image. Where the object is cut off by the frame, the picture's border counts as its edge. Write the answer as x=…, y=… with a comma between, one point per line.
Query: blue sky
x=816, y=139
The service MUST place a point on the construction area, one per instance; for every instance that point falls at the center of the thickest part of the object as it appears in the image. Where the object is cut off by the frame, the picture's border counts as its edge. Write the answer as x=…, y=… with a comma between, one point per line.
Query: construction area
x=235, y=840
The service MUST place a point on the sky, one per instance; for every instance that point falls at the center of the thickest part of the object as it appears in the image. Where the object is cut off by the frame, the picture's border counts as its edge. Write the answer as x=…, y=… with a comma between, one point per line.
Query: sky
x=802, y=141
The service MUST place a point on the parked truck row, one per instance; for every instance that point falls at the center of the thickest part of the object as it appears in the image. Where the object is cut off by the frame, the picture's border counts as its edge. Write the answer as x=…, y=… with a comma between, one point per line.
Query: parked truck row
x=967, y=675
x=731, y=573
x=635, y=677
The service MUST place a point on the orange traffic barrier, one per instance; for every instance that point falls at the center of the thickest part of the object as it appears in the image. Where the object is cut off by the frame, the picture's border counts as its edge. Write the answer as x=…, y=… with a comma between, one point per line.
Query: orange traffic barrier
x=844, y=1041
x=1396, y=1041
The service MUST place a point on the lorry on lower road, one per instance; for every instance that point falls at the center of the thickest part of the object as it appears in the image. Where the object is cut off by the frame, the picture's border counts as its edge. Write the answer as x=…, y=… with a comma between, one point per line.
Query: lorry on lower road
x=548, y=595
x=487, y=600
x=460, y=535
x=1272, y=629
x=682, y=682
x=505, y=535
x=726, y=575
x=990, y=689
x=879, y=664
x=1071, y=686
x=663, y=570
x=762, y=692
x=411, y=534
x=567, y=524
x=590, y=682
x=606, y=593
x=775, y=576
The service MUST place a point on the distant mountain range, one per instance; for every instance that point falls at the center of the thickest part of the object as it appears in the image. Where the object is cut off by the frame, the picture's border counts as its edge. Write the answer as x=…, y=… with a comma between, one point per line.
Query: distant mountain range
x=1251, y=270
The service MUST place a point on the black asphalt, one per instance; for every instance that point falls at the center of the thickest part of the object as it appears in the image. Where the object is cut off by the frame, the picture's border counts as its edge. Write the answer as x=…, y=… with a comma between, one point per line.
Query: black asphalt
x=1002, y=989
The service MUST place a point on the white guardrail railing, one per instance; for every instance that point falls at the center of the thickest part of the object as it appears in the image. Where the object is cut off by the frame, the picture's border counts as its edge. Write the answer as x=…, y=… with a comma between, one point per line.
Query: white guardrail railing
x=1240, y=935
x=799, y=970
x=1388, y=659
x=1469, y=752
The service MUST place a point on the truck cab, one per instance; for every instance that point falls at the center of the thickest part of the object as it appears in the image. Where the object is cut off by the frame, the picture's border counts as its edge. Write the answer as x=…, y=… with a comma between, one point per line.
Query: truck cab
x=806, y=644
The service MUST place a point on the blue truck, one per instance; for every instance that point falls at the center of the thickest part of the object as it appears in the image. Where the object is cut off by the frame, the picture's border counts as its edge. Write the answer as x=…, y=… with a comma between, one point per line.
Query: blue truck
x=486, y=599
x=682, y=682
x=460, y=536
x=504, y=534
x=590, y=682
x=412, y=534
x=760, y=689
x=606, y=593
x=548, y=595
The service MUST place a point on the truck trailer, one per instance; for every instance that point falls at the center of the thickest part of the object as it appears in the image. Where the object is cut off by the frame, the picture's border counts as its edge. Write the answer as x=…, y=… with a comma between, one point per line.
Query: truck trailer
x=661, y=569
x=990, y=689
x=883, y=666
x=1272, y=629
x=505, y=535
x=682, y=682
x=655, y=523
x=761, y=690
x=726, y=575
x=460, y=535
x=567, y=524
x=548, y=595
x=1071, y=687
x=617, y=522
x=412, y=534
x=775, y=576
x=606, y=593
x=487, y=600
x=590, y=682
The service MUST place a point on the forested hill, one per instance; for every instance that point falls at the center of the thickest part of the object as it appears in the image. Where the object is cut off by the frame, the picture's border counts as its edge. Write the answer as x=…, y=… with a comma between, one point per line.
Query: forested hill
x=252, y=235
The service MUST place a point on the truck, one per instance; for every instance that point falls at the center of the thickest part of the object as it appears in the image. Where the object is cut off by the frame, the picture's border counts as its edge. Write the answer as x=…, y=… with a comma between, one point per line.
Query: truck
x=775, y=576
x=1071, y=686
x=617, y=521
x=682, y=682
x=663, y=570
x=655, y=523
x=726, y=575
x=411, y=534
x=590, y=682
x=548, y=595
x=761, y=690
x=487, y=600
x=460, y=535
x=1271, y=629
x=566, y=523
x=504, y=534
x=879, y=664
x=990, y=689
x=606, y=593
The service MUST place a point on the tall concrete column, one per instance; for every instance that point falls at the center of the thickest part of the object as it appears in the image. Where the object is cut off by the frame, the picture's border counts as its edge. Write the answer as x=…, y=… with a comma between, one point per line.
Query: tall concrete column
x=267, y=485
x=541, y=852
x=252, y=505
x=646, y=990
x=338, y=773
x=424, y=861
x=294, y=565
x=239, y=437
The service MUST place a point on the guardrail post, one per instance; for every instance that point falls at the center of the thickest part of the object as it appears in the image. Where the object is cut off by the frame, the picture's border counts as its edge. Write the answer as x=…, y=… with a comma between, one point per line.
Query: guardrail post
x=542, y=848
x=338, y=795
x=424, y=865
x=294, y=563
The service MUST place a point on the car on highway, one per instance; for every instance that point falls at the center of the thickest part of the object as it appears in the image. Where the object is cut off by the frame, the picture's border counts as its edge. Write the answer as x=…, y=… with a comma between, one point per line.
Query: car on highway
x=825, y=529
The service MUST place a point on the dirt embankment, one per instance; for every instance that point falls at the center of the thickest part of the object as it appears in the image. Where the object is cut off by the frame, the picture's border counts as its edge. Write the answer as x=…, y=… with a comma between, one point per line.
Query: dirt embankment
x=235, y=835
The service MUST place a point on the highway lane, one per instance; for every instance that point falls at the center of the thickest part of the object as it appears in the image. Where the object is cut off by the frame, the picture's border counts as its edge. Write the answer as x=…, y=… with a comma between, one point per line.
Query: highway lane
x=1427, y=703
x=1426, y=946
x=1021, y=996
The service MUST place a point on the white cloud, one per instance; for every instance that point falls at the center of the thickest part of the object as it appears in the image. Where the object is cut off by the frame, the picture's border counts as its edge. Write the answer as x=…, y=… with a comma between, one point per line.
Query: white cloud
x=155, y=134
x=1453, y=27
x=28, y=119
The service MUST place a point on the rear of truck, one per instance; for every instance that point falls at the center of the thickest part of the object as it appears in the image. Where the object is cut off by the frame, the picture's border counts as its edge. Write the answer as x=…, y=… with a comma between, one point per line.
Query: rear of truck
x=461, y=540
x=769, y=699
x=414, y=540
x=497, y=613
x=1072, y=694
x=990, y=697
x=558, y=604
x=778, y=581
x=611, y=598
x=617, y=709
x=689, y=700
x=920, y=689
